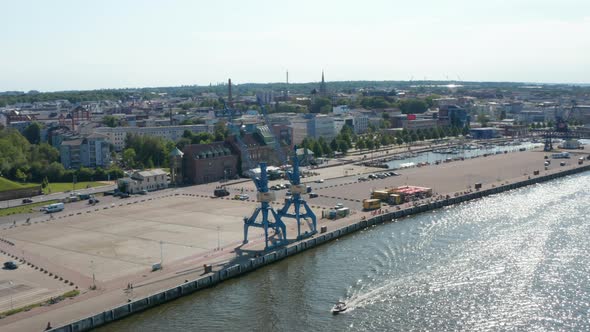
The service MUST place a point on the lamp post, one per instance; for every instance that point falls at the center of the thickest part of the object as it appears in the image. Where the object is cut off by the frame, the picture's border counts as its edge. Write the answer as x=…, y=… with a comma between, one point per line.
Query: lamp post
x=161, y=253
x=93, y=274
x=11, y=284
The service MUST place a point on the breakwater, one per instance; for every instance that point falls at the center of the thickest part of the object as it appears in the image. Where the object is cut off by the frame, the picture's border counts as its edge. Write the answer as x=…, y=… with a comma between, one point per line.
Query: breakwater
x=236, y=270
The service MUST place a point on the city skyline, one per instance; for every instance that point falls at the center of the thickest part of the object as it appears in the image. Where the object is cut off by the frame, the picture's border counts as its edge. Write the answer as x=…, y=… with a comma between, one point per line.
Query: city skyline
x=67, y=45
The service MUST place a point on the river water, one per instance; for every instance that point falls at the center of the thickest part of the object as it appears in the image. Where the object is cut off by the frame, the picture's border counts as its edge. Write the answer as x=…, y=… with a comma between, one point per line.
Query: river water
x=513, y=261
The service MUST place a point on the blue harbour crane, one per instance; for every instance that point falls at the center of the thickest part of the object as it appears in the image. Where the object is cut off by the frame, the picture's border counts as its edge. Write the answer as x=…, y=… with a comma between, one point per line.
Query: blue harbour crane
x=265, y=210
x=297, y=189
x=265, y=197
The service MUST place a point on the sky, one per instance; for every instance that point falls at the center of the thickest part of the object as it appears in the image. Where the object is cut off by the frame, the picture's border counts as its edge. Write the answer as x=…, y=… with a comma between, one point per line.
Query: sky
x=79, y=45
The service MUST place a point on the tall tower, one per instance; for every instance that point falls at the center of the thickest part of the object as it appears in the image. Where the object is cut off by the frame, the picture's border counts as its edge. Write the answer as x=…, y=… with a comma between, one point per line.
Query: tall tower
x=286, y=94
x=229, y=96
x=323, y=89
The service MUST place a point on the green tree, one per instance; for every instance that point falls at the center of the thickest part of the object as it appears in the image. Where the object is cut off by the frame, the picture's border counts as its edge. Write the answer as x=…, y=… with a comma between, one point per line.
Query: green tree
x=110, y=121
x=33, y=133
x=317, y=149
x=343, y=146
x=55, y=172
x=334, y=145
x=360, y=144
x=321, y=105
x=21, y=175
x=129, y=157
x=221, y=131
x=413, y=106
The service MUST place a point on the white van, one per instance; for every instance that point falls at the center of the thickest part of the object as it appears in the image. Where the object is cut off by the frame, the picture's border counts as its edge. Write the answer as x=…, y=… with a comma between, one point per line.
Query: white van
x=54, y=207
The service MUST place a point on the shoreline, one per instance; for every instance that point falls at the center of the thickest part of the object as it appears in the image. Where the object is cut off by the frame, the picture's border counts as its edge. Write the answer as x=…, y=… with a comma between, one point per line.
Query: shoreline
x=235, y=270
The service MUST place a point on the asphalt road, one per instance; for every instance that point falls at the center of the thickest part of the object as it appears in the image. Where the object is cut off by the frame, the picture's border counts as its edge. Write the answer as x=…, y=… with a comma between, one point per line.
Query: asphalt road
x=62, y=195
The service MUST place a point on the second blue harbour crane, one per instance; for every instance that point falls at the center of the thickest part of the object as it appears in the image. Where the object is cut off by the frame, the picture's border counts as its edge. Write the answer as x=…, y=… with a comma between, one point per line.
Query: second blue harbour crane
x=265, y=210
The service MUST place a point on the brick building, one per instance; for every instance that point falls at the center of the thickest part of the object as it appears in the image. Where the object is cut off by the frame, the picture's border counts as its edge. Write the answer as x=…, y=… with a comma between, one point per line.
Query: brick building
x=204, y=163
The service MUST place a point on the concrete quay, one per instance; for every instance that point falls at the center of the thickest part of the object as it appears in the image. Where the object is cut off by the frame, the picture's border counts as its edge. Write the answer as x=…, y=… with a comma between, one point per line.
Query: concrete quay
x=123, y=240
x=237, y=269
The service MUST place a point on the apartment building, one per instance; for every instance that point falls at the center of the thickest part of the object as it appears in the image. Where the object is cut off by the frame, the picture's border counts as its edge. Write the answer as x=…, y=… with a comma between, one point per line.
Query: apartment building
x=117, y=135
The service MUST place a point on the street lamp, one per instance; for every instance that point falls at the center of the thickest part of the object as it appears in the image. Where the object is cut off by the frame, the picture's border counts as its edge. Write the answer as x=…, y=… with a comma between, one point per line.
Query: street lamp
x=93, y=275
x=161, y=253
x=11, y=284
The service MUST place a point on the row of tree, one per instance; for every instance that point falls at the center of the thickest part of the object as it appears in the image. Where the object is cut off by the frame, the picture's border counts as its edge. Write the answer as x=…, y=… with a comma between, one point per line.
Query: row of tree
x=346, y=139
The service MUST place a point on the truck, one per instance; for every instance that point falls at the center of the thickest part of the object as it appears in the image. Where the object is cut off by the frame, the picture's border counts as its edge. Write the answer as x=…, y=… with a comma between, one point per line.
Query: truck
x=371, y=204
x=395, y=199
x=380, y=194
x=54, y=207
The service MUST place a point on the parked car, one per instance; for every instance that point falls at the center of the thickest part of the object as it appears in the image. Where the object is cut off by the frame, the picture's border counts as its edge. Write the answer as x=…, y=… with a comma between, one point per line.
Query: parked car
x=313, y=195
x=362, y=178
x=93, y=200
x=143, y=192
x=319, y=181
x=243, y=197
x=10, y=265
x=124, y=195
x=27, y=200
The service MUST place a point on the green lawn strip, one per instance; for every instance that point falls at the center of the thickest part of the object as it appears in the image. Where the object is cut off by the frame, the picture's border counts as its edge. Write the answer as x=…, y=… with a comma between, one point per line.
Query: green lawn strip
x=58, y=187
x=27, y=208
x=66, y=295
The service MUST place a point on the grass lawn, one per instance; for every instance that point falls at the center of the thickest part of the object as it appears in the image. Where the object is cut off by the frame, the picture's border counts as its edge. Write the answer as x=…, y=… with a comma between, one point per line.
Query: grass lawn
x=6, y=184
x=67, y=186
x=27, y=208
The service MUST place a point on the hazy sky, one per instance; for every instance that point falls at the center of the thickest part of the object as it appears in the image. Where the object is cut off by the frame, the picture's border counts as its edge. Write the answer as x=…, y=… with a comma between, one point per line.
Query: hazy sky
x=60, y=45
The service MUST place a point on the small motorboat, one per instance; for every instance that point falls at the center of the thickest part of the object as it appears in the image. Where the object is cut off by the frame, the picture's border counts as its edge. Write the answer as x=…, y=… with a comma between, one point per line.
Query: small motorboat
x=339, y=307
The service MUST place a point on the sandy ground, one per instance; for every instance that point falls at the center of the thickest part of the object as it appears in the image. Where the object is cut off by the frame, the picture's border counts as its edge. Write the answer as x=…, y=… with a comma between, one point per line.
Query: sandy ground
x=118, y=244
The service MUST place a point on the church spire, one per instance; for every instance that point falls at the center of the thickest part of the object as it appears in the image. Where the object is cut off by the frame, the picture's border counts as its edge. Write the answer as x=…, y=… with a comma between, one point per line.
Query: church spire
x=323, y=90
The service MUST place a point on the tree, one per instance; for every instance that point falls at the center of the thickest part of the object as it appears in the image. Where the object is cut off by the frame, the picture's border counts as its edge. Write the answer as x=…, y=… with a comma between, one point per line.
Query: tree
x=33, y=133
x=343, y=146
x=317, y=149
x=334, y=145
x=129, y=157
x=55, y=172
x=85, y=174
x=412, y=106
x=321, y=105
x=221, y=131
x=21, y=175
x=360, y=144
x=110, y=121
